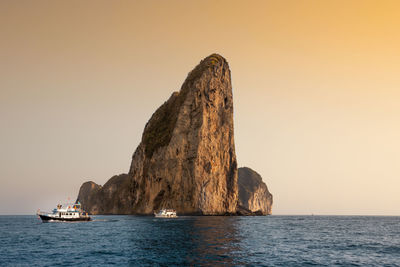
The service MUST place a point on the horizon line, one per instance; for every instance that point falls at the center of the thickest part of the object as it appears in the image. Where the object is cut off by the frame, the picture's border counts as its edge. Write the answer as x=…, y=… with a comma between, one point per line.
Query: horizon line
x=320, y=215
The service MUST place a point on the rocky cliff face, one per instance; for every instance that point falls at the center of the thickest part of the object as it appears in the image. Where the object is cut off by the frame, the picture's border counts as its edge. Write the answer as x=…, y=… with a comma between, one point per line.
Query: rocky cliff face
x=186, y=159
x=253, y=192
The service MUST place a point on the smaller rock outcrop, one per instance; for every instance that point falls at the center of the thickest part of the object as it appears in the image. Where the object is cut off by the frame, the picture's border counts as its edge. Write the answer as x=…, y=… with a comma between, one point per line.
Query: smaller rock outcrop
x=253, y=193
x=111, y=198
x=88, y=197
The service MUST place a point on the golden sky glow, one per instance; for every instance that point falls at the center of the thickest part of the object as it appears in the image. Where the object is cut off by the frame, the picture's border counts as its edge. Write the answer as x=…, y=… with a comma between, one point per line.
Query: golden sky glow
x=316, y=94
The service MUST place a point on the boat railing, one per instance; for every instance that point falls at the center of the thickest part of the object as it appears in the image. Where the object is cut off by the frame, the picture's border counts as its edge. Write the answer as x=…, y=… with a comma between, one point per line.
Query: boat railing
x=81, y=213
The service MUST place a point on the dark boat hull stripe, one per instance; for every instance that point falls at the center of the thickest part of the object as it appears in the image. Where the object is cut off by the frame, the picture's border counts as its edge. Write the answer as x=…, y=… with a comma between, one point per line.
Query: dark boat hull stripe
x=48, y=219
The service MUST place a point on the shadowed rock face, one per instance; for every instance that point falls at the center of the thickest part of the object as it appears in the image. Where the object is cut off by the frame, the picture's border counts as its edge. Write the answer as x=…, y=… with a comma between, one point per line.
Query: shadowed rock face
x=88, y=196
x=186, y=159
x=253, y=192
x=112, y=198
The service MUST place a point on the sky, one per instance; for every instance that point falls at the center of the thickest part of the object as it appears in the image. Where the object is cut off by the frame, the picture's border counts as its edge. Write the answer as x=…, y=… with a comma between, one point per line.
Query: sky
x=316, y=89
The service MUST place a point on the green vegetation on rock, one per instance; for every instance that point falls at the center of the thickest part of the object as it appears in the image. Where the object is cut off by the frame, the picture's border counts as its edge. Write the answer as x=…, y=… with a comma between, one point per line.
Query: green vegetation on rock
x=212, y=60
x=158, y=131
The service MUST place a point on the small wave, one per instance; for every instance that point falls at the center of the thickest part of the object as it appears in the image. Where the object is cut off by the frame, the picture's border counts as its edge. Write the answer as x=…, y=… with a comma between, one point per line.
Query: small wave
x=105, y=220
x=395, y=250
x=103, y=252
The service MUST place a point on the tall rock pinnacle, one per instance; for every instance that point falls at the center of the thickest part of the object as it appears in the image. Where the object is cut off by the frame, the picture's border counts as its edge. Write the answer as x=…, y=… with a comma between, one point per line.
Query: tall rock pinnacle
x=186, y=159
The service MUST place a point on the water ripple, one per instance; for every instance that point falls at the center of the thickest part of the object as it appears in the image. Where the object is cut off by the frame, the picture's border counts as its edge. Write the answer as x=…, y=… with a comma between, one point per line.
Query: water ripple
x=202, y=241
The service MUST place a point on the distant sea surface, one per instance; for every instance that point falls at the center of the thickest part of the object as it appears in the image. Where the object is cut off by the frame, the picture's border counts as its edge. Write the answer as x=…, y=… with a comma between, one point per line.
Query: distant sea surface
x=202, y=241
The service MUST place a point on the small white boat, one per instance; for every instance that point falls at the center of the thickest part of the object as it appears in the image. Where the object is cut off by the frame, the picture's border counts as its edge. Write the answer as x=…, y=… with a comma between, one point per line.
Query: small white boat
x=166, y=213
x=65, y=213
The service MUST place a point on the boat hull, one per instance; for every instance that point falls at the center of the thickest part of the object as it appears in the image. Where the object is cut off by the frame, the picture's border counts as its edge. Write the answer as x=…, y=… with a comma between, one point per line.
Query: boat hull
x=46, y=218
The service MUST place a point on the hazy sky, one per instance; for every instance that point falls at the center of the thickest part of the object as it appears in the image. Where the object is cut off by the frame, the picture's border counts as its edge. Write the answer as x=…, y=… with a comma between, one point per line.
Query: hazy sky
x=316, y=94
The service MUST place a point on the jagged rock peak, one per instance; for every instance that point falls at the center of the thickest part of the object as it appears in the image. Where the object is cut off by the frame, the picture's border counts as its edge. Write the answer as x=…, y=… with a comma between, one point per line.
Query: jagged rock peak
x=215, y=62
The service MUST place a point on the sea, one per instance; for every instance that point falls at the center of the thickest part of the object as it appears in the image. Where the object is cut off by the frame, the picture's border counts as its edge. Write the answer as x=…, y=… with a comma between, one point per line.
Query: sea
x=202, y=241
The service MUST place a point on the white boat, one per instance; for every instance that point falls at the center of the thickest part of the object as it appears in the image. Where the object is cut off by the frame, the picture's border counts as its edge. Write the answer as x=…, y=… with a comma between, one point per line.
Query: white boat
x=65, y=213
x=166, y=213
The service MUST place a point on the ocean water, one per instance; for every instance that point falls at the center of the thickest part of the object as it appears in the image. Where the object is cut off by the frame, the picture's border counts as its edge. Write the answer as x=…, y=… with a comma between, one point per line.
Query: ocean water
x=202, y=241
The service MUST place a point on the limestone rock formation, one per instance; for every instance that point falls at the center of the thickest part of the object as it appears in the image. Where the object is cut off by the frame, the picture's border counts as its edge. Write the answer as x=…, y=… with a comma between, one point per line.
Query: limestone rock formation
x=89, y=197
x=112, y=198
x=186, y=159
x=253, y=192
